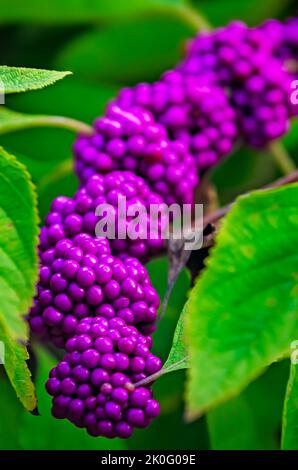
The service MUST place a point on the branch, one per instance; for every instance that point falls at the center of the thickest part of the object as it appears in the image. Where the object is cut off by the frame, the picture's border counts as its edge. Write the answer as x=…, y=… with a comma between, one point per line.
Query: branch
x=281, y=157
x=217, y=215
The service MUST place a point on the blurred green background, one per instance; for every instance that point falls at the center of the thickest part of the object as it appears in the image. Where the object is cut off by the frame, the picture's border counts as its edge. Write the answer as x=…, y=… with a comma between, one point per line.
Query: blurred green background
x=108, y=44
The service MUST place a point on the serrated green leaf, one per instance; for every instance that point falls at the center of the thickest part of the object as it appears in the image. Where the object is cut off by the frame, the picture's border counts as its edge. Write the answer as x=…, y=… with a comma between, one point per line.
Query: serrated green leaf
x=18, y=269
x=18, y=79
x=290, y=414
x=242, y=313
x=15, y=357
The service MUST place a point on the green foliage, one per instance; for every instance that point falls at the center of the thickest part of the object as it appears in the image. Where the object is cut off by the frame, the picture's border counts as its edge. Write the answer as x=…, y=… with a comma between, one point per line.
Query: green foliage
x=18, y=270
x=290, y=415
x=18, y=79
x=124, y=55
x=252, y=420
x=82, y=11
x=242, y=313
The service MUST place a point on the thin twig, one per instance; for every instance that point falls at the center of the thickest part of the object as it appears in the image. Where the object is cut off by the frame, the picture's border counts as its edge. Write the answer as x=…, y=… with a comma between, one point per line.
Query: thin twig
x=45, y=121
x=157, y=375
x=281, y=157
x=192, y=17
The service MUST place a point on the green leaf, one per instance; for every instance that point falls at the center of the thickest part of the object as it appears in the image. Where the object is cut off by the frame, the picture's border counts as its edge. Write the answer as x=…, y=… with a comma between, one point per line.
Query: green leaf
x=15, y=358
x=137, y=51
x=61, y=11
x=242, y=313
x=252, y=420
x=18, y=79
x=290, y=414
x=18, y=270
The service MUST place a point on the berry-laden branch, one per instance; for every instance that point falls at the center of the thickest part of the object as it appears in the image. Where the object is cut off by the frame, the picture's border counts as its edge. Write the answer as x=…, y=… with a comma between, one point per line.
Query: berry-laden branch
x=154, y=142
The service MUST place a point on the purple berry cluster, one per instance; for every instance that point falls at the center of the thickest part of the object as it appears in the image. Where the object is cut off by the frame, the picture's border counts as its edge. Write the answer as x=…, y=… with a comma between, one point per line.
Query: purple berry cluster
x=132, y=140
x=94, y=296
x=93, y=385
x=234, y=83
x=243, y=61
x=193, y=111
x=79, y=278
x=284, y=37
x=70, y=217
x=102, y=309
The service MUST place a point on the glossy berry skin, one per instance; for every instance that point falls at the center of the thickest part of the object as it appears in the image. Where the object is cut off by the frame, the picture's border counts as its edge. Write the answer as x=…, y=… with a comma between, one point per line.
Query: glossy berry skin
x=284, y=40
x=79, y=278
x=100, y=200
x=92, y=385
x=194, y=112
x=110, y=190
x=242, y=60
x=132, y=140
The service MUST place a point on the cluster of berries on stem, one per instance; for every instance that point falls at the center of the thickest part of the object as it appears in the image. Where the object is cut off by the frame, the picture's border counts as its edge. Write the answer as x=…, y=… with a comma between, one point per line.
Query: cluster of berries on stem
x=94, y=296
